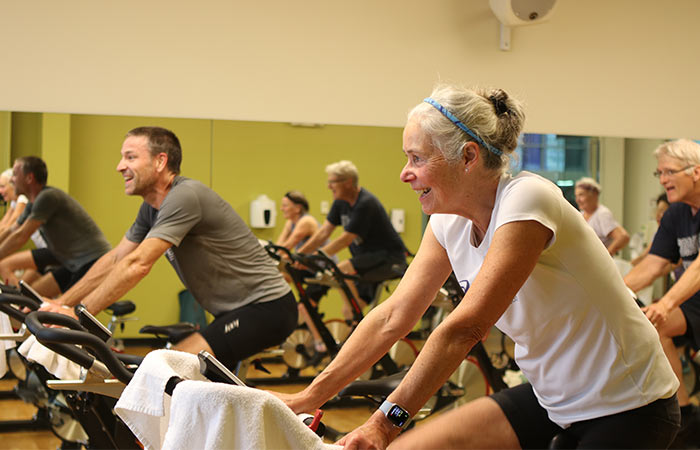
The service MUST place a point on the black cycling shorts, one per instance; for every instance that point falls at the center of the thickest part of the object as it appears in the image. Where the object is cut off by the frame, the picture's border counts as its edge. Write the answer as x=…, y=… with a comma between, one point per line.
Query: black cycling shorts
x=651, y=426
x=691, y=313
x=379, y=265
x=250, y=329
x=45, y=262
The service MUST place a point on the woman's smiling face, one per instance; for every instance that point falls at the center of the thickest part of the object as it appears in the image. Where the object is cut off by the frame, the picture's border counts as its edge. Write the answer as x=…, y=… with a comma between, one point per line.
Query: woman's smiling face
x=427, y=171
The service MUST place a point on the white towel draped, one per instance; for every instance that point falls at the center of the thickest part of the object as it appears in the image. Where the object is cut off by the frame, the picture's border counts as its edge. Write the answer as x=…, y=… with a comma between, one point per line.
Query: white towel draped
x=206, y=415
x=5, y=344
x=222, y=416
x=144, y=406
x=59, y=366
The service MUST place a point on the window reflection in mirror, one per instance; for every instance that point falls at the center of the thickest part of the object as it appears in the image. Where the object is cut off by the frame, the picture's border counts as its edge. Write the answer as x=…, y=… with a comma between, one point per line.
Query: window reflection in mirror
x=559, y=158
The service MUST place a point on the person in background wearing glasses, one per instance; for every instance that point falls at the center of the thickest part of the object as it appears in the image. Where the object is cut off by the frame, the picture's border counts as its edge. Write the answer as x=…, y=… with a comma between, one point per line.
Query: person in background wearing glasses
x=677, y=313
x=599, y=217
x=374, y=244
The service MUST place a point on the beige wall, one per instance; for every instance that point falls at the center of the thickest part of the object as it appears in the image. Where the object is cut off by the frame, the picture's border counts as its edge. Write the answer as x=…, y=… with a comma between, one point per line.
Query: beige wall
x=641, y=188
x=598, y=67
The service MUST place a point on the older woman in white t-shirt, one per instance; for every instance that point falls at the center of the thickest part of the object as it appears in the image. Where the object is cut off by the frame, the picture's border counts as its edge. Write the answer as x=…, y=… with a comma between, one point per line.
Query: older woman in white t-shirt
x=530, y=265
x=599, y=217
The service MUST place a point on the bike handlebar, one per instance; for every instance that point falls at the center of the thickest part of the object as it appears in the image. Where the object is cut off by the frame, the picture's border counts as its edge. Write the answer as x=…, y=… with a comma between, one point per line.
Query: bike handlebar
x=7, y=300
x=272, y=250
x=317, y=262
x=60, y=340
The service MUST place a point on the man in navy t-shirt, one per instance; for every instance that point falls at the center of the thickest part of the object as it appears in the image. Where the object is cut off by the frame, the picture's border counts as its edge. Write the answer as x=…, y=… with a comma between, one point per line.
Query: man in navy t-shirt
x=376, y=248
x=677, y=313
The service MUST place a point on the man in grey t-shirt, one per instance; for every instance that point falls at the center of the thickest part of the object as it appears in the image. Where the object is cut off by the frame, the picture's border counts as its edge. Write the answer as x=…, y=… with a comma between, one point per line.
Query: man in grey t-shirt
x=73, y=239
x=212, y=250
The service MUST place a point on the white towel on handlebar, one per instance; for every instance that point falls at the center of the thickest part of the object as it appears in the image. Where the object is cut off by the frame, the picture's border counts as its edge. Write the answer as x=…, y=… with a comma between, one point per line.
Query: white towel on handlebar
x=144, y=406
x=5, y=344
x=222, y=416
x=59, y=366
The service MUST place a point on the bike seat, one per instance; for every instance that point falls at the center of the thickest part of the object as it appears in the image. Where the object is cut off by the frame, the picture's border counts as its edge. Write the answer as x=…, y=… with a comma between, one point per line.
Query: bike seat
x=386, y=273
x=380, y=387
x=174, y=333
x=121, y=308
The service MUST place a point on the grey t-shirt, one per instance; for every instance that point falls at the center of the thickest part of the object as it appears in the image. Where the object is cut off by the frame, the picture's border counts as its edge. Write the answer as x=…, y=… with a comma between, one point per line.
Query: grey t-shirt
x=71, y=235
x=214, y=252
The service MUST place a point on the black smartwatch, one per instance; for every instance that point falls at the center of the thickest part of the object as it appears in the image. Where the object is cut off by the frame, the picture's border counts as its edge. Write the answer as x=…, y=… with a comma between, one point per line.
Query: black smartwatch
x=396, y=414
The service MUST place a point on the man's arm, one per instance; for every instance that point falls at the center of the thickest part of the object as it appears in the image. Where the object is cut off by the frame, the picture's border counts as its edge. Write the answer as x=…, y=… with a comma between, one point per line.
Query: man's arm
x=126, y=274
x=17, y=237
x=122, y=276
x=318, y=238
x=97, y=273
x=687, y=285
x=339, y=243
x=620, y=237
x=644, y=273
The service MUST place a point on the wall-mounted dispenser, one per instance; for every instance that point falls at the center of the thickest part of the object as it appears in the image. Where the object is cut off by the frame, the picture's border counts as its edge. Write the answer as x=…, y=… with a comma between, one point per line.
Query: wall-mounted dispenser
x=262, y=212
x=398, y=217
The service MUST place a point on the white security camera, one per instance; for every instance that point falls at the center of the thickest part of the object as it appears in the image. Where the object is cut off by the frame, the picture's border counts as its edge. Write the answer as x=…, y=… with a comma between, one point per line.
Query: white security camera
x=513, y=13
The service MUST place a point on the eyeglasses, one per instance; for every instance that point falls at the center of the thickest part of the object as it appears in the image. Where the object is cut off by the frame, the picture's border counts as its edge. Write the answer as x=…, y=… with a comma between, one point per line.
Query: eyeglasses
x=669, y=172
x=339, y=180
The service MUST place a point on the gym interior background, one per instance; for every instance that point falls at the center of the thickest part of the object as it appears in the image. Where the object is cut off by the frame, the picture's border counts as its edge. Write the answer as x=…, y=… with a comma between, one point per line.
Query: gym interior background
x=264, y=94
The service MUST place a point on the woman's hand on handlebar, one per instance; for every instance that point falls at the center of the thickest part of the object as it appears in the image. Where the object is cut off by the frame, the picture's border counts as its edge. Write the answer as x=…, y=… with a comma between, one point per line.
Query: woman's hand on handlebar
x=56, y=307
x=376, y=433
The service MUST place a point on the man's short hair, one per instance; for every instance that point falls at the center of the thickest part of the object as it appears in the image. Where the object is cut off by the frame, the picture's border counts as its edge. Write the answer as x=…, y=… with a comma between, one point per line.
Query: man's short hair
x=684, y=150
x=343, y=169
x=36, y=166
x=161, y=140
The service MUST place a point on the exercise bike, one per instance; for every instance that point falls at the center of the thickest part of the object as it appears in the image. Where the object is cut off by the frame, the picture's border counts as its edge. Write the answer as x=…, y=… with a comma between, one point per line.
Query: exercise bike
x=52, y=410
x=298, y=351
x=106, y=373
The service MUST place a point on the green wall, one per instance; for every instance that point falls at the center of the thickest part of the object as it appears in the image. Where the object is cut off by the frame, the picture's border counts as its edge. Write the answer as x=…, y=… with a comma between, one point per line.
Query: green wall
x=26, y=135
x=239, y=160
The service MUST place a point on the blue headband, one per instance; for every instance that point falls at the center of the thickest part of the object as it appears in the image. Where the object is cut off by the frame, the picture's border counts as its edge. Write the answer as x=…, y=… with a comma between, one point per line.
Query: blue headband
x=445, y=112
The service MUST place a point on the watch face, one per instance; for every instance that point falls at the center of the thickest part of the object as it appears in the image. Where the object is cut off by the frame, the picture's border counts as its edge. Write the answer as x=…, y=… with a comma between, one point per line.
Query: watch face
x=398, y=416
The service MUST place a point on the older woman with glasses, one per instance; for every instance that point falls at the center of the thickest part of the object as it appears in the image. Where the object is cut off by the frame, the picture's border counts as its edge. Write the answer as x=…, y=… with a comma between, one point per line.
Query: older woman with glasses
x=530, y=265
x=599, y=217
x=677, y=313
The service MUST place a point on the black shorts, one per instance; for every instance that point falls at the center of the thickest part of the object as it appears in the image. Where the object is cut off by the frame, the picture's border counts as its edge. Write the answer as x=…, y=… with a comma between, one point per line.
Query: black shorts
x=691, y=312
x=651, y=426
x=378, y=266
x=47, y=263
x=375, y=267
x=245, y=331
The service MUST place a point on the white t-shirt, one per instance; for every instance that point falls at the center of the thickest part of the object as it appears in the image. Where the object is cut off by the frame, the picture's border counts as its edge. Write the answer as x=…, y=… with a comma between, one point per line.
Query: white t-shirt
x=20, y=199
x=580, y=339
x=603, y=223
